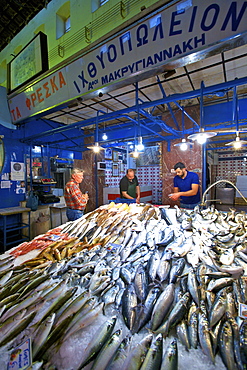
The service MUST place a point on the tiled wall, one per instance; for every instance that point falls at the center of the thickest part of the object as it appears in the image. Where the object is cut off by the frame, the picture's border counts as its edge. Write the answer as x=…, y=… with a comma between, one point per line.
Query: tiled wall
x=148, y=175
x=230, y=165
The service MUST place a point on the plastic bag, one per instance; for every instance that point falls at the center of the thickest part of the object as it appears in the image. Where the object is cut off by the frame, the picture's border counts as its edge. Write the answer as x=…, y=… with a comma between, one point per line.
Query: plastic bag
x=32, y=201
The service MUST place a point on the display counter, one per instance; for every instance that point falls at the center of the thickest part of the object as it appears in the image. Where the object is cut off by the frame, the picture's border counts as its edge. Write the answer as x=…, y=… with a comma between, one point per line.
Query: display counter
x=110, y=194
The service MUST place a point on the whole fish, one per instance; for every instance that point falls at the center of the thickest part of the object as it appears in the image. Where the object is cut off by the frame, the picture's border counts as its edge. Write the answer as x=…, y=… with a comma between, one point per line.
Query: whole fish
x=193, y=329
x=218, y=308
x=5, y=278
x=42, y=333
x=129, y=304
x=74, y=306
x=182, y=333
x=153, y=357
x=120, y=356
x=141, y=283
x=193, y=286
x=147, y=309
x=108, y=351
x=226, y=345
x=153, y=265
x=162, y=306
x=23, y=304
x=22, y=325
x=236, y=341
x=100, y=338
x=205, y=336
x=52, y=338
x=243, y=340
x=170, y=359
x=176, y=270
x=84, y=320
x=137, y=354
x=176, y=315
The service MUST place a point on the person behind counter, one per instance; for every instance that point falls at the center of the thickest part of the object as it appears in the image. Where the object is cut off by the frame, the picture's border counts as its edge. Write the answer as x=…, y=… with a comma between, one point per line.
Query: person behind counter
x=74, y=199
x=186, y=187
x=129, y=186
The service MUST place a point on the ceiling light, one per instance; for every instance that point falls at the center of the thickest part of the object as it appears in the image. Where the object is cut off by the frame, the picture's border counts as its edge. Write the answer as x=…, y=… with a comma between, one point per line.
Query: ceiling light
x=202, y=136
x=96, y=148
x=104, y=136
x=237, y=143
x=134, y=154
x=184, y=145
x=140, y=146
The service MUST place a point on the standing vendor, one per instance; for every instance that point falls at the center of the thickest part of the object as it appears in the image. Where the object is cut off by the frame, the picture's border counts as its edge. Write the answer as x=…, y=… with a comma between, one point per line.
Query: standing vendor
x=74, y=199
x=129, y=186
x=186, y=187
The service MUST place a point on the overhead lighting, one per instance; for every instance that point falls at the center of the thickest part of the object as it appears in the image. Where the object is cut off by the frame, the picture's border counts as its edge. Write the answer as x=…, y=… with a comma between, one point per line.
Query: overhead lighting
x=104, y=136
x=140, y=146
x=134, y=154
x=237, y=143
x=96, y=148
x=202, y=136
x=184, y=145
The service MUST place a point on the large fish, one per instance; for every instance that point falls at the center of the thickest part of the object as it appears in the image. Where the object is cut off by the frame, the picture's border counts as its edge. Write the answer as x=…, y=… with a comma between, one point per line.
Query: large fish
x=95, y=345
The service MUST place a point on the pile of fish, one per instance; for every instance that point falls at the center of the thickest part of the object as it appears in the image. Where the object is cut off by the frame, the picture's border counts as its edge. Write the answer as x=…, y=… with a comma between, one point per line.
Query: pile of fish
x=144, y=282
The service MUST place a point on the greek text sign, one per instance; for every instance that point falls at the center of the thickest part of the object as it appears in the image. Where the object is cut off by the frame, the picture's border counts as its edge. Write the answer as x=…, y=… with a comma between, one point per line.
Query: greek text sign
x=177, y=31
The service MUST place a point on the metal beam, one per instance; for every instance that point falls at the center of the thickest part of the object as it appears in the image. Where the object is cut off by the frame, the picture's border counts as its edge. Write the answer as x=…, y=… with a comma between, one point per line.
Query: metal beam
x=113, y=115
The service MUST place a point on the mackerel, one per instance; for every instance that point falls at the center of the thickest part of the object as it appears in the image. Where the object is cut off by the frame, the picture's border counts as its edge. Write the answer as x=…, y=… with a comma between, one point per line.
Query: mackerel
x=17, y=330
x=153, y=357
x=99, y=339
x=226, y=345
x=170, y=359
x=129, y=303
x=205, y=337
x=84, y=320
x=42, y=333
x=24, y=304
x=162, y=306
x=120, y=356
x=137, y=354
x=108, y=351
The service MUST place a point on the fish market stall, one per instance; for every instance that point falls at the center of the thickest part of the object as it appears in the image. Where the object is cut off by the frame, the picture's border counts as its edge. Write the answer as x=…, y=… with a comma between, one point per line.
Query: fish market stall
x=130, y=287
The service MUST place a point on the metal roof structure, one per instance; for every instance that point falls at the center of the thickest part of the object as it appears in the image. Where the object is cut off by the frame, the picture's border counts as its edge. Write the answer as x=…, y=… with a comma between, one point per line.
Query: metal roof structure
x=151, y=107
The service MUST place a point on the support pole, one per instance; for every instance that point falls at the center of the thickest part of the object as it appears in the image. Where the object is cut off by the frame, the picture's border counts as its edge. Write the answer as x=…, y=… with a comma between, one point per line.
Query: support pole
x=204, y=152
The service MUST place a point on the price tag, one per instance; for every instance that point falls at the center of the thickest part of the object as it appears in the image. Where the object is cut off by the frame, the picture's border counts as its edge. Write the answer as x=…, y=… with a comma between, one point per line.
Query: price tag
x=242, y=310
x=54, y=237
x=21, y=356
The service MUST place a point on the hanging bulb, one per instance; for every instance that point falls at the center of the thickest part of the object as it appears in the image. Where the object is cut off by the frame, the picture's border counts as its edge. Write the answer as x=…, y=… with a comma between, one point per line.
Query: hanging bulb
x=183, y=146
x=135, y=154
x=237, y=144
x=104, y=136
x=96, y=148
x=140, y=146
x=201, y=139
x=202, y=136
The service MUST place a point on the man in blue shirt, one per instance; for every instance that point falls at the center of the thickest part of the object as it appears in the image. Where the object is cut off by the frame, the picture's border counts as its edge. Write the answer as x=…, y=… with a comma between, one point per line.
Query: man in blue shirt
x=186, y=187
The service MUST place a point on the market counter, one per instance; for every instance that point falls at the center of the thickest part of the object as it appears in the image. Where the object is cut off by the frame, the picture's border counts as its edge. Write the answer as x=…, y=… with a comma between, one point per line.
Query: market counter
x=110, y=194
